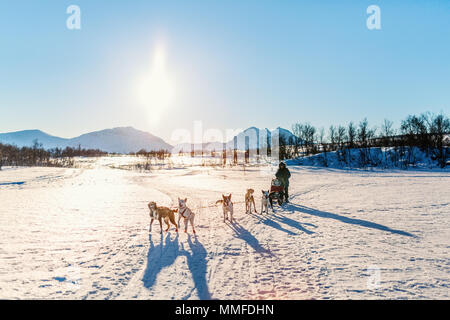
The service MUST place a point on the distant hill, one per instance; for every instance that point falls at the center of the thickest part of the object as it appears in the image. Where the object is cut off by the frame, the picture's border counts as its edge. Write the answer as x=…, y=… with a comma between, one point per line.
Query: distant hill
x=25, y=139
x=121, y=140
x=117, y=140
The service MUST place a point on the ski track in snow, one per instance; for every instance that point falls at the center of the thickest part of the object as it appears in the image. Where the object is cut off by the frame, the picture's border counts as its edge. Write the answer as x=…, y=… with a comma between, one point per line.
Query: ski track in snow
x=83, y=234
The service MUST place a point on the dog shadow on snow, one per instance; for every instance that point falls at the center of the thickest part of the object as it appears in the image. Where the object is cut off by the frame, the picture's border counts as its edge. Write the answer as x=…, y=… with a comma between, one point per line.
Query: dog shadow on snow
x=359, y=222
x=167, y=251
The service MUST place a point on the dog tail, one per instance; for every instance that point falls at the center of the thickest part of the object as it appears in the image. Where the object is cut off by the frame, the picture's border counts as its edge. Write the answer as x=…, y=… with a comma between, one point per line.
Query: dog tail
x=219, y=201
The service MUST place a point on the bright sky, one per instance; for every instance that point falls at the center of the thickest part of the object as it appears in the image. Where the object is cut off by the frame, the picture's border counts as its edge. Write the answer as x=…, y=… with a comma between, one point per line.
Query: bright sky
x=160, y=65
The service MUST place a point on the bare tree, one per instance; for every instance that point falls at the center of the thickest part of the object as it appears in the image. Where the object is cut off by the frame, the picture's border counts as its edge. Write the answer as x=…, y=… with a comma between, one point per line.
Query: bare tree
x=351, y=134
x=306, y=136
x=439, y=127
x=332, y=135
x=340, y=140
x=323, y=145
x=365, y=135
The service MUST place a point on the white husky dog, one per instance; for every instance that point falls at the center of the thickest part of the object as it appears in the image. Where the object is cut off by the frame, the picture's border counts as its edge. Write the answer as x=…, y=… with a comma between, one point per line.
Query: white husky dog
x=227, y=207
x=265, y=201
x=186, y=213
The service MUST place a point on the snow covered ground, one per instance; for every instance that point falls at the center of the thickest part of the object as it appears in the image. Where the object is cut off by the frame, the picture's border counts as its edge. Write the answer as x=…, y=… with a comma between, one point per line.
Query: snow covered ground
x=83, y=234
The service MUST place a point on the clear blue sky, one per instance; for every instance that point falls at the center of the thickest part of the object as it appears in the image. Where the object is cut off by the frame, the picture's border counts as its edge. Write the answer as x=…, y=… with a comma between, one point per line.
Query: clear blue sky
x=231, y=64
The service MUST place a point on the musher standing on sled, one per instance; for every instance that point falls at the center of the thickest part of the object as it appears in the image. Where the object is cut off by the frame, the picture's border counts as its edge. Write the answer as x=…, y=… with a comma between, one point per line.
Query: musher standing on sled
x=283, y=175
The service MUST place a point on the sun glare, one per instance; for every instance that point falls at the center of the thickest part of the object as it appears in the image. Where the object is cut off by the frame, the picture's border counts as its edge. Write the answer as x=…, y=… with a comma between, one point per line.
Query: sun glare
x=156, y=88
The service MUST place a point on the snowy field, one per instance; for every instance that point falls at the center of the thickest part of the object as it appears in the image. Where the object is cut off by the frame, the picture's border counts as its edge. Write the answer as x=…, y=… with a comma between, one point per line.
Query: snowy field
x=83, y=234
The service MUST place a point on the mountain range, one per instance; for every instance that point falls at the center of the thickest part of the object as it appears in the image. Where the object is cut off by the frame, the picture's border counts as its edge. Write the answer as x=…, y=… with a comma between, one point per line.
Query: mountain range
x=116, y=140
x=128, y=139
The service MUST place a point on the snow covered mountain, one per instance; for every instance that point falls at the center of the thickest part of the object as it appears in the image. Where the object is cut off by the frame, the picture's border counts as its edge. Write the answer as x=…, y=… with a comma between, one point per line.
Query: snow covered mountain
x=261, y=138
x=118, y=140
x=256, y=138
x=26, y=138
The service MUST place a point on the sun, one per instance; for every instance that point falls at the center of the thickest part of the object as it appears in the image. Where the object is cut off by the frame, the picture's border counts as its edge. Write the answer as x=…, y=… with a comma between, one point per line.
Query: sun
x=156, y=89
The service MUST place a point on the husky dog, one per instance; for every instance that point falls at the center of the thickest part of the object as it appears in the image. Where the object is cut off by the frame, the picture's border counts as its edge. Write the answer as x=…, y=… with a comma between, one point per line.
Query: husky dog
x=265, y=201
x=186, y=213
x=249, y=199
x=227, y=207
x=161, y=213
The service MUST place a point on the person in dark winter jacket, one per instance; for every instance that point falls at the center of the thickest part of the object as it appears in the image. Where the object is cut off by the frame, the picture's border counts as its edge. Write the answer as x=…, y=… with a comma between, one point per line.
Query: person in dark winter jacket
x=283, y=174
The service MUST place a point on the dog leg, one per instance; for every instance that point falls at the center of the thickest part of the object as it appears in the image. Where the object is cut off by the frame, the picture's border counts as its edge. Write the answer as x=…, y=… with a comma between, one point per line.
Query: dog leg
x=166, y=220
x=160, y=224
x=172, y=219
x=185, y=224
x=151, y=222
x=192, y=223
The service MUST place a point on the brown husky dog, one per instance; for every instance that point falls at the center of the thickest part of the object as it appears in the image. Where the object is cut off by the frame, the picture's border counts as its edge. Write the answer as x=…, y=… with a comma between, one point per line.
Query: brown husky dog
x=249, y=199
x=227, y=207
x=161, y=213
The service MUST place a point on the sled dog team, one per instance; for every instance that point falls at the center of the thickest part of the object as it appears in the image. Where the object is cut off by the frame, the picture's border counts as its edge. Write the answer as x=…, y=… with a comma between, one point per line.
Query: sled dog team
x=168, y=215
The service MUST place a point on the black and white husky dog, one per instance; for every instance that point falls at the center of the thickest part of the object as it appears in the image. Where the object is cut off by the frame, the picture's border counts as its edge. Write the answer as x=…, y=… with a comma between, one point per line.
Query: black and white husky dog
x=265, y=200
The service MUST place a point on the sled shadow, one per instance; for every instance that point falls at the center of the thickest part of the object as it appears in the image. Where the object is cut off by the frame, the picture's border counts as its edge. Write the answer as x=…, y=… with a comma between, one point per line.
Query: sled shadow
x=294, y=224
x=164, y=255
x=245, y=235
x=271, y=223
x=198, y=266
x=19, y=183
x=359, y=222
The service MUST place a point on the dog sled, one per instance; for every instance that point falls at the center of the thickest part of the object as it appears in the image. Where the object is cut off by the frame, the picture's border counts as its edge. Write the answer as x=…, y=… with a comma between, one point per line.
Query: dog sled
x=276, y=192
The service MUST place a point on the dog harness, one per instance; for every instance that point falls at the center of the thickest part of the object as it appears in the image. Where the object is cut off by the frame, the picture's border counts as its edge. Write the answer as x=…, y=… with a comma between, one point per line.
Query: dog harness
x=183, y=211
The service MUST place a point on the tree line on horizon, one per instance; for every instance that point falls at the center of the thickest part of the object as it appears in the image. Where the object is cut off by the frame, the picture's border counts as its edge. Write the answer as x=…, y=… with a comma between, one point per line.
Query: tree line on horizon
x=36, y=155
x=374, y=146
x=354, y=144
